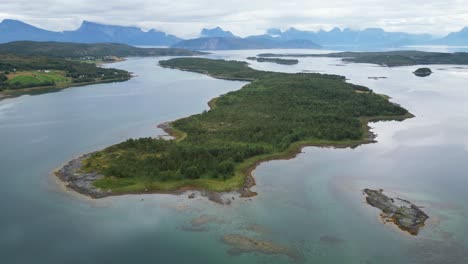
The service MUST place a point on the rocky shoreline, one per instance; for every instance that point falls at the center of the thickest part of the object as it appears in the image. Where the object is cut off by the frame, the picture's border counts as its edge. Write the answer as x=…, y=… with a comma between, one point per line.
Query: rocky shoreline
x=82, y=182
x=404, y=214
x=79, y=181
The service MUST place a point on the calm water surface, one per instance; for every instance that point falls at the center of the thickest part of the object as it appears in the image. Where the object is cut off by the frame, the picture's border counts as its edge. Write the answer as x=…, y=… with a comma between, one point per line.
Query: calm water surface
x=312, y=204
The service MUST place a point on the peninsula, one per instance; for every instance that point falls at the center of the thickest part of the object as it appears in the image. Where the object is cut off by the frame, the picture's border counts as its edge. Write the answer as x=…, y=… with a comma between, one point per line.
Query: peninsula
x=36, y=74
x=272, y=117
x=28, y=67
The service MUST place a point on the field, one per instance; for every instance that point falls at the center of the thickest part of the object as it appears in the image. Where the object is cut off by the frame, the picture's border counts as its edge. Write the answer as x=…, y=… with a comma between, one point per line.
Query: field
x=27, y=79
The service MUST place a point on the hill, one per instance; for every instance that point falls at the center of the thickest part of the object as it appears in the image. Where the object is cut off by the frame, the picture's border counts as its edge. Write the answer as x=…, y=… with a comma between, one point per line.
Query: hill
x=79, y=50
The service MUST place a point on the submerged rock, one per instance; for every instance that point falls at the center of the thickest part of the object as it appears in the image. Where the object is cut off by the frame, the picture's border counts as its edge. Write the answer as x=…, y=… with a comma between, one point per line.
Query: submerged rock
x=242, y=244
x=203, y=220
x=404, y=214
x=331, y=240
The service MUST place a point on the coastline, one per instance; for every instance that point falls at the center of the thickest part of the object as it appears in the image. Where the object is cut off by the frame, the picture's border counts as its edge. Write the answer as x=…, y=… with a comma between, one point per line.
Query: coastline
x=48, y=89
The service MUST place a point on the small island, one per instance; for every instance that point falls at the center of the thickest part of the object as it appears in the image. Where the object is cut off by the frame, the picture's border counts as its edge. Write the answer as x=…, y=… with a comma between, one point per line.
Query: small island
x=423, y=72
x=275, y=60
x=272, y=117
x=407, y=216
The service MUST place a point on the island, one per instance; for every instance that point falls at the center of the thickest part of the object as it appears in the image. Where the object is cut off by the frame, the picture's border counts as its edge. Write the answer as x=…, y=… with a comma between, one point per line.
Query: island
x=407, y=216
x=272, y=117
x=389, y=58
x=275, y=60
x=423, y=72
x=28, y=67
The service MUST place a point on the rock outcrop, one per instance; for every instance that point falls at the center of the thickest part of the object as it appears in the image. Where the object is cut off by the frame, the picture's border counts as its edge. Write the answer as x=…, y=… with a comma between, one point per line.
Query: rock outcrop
x=404, y=214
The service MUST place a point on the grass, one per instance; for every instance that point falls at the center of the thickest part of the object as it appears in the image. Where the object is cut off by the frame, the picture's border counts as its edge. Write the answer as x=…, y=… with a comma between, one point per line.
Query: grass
x=26, y=79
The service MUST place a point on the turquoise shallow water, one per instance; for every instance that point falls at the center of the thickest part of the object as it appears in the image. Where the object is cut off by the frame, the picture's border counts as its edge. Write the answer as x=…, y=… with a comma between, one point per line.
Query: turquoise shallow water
x=312, y=203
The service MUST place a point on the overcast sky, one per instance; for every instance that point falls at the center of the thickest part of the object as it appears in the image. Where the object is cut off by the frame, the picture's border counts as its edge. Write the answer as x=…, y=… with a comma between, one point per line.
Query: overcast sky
x=244, y=17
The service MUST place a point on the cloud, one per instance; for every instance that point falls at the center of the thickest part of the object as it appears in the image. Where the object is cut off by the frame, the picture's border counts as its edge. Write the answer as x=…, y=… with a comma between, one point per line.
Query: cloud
x=244, y=17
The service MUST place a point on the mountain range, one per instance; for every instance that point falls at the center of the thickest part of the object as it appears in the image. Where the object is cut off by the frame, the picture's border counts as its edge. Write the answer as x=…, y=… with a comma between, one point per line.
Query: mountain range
x=370, y=37
x=236, y=43
x=217, y=38
x=88, y=32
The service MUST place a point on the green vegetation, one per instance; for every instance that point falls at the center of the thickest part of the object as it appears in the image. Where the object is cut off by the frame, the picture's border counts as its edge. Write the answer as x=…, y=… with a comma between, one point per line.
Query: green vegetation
x=19, y=72
x=104, y=51
x=275, y=60
x=35, y=79
x=390, y=58
x=3, y=79
x=271, y=117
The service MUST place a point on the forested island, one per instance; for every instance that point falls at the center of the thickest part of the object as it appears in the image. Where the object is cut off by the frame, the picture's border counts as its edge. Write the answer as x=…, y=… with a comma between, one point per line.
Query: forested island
x=389, y=58
x=28, y=67
x=275, y=60
x=272, y=117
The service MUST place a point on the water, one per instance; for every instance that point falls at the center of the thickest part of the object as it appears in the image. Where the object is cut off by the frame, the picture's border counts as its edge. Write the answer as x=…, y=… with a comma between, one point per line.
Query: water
x=312, y=203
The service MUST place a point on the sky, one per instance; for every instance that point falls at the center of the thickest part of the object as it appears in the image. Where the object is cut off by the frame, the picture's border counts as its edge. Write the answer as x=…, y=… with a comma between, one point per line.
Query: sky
x=244, y=17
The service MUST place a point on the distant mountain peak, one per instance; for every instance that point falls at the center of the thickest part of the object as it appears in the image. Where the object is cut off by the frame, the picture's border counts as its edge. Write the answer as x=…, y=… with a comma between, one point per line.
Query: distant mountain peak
x=15, y=23
x=293, y=29
x=11, y=21
x=216, y=32
x=87, y=23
